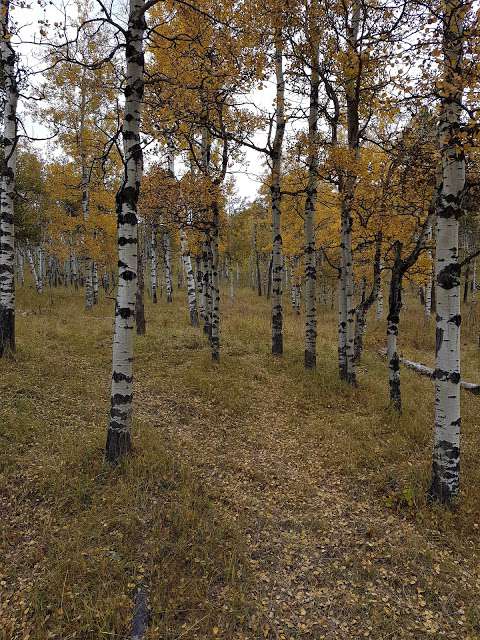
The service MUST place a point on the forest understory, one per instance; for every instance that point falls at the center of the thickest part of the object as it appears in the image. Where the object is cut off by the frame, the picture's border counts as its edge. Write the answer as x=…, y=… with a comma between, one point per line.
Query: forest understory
x=261, y=500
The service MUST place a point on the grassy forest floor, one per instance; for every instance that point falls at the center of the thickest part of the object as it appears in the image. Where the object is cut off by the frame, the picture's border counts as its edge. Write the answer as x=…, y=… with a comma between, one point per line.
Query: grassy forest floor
x=262, y=501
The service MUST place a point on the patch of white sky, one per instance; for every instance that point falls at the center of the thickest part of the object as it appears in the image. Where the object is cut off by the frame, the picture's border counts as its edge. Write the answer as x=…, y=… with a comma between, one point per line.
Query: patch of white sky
x=30, y=44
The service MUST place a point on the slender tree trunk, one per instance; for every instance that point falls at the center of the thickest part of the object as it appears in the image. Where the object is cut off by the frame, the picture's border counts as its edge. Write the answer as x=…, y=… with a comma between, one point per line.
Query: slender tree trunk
x=269, y=281
x=347, y=190
x=119, y=438
x=20, y=271
x=153, y=262
x=206, y=253
x=379, y=309
x=466, y=284
x=74, y=270
x=85, y=186
x=167, y=262
x=276, y=196
x=393, y=321
x=139, y=294
x=310, y=355
x=474, y=282
x=7, y=189
x=200, y=288
x=95, y=282
x=215, y=288
x=33, y=269
x=428, y=285
x=191, y=289
x=366, y=302
x=232, y=285
x=342, y=323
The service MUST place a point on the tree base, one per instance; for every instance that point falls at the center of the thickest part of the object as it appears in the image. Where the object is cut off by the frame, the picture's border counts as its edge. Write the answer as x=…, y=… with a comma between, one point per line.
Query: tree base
x=439, y=491
x=118, y=445
x=194, y=318
x=310, y=360
x=351, y=379
x=277, y=345
x=7, y=332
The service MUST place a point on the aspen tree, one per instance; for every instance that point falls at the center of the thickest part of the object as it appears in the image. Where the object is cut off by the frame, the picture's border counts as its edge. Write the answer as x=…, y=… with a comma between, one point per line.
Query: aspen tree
x=310, y=202
x=119, y=436
x=446, y=446
x=276, y=195
x=7, y=187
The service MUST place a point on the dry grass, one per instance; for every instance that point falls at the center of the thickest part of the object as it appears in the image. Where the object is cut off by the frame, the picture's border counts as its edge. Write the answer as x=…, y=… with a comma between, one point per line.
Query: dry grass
x=261, y=501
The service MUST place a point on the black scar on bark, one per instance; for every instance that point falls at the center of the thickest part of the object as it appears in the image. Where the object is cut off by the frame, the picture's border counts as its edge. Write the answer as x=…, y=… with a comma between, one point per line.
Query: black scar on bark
x=124, y=312
x=117, y=376
x=449, y=276
x=456, y=320
x=127, y=275
x=120, y=399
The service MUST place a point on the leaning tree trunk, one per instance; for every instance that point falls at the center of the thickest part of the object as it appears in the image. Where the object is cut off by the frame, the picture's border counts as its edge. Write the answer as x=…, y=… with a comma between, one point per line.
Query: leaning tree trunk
x=366, y=302
x=276, y=196
x=187, y=266
x=310, y=355
x=446, y=448
x=118, y=437
x=393, y=321
x=9, y=155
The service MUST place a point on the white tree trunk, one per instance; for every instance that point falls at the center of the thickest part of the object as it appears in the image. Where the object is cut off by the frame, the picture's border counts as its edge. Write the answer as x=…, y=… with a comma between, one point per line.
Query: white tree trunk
x=200, y=286
x=119, y=438
x=33, y=269
x=310, y=355
x=153, y=263
x=276, y=196
x=215, y=290
x=428, y=285
x=167, y=261
x=20, y=272
x=95, y=281
x=191, y=289
x=232, y=285
x=7, y=188
x=446, y=448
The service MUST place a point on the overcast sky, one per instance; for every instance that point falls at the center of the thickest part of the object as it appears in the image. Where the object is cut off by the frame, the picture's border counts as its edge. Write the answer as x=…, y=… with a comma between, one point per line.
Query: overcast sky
x=247, y=175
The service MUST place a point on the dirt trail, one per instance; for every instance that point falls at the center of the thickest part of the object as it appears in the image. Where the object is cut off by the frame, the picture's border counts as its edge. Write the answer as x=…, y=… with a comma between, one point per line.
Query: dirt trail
x=326, y=563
